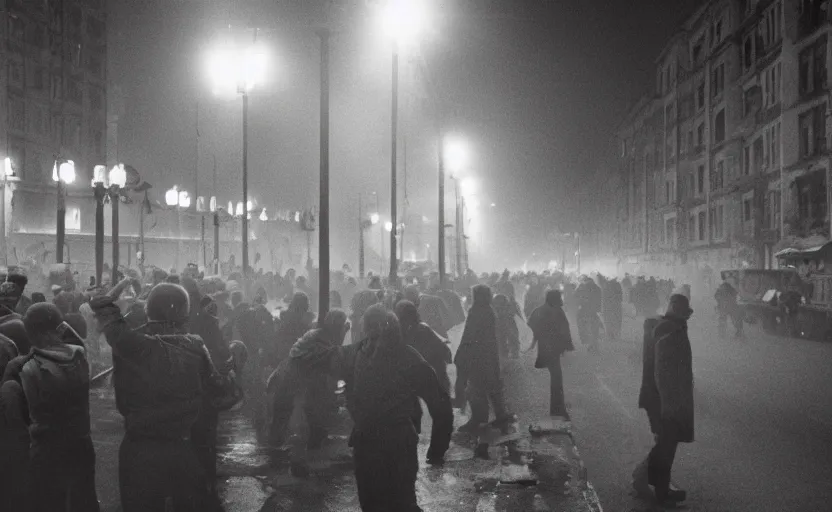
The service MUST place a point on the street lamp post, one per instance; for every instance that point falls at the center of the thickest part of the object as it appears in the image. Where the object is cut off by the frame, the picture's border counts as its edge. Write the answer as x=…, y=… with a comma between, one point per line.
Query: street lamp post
x=118, y=178
x=63, y=174
x=239, y=70
x=99, y=187
x=215, y=211
x=178, y=199
x=323, y=215
x=403, y=21
x=6, y=173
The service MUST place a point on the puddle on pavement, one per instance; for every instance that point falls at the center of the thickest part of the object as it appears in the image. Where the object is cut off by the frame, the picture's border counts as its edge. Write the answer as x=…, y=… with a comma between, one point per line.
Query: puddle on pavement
x=243, y=494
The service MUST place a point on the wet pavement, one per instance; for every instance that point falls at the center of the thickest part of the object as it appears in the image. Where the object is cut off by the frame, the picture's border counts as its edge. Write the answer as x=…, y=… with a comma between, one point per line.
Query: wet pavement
x=524, y=472
x=763, y=421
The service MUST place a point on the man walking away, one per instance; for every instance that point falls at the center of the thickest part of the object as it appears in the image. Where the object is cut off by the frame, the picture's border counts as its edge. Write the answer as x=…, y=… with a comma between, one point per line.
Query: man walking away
x=552, y=337
x=54, y=378
x=667, y=397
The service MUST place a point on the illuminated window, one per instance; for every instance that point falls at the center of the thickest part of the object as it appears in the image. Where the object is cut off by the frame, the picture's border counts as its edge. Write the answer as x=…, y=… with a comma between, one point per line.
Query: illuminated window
x=73, y=218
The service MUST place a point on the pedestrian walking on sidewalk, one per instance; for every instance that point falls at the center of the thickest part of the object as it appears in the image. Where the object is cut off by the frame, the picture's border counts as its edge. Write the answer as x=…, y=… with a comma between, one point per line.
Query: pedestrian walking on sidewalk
x=667, y=397
x=552, y=338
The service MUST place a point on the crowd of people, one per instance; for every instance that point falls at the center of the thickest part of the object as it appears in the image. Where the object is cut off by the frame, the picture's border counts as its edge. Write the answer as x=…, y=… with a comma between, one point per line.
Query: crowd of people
x=181, y=348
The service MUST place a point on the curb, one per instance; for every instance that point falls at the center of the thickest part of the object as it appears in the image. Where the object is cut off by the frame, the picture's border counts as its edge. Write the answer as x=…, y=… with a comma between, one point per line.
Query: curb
x=547, y=437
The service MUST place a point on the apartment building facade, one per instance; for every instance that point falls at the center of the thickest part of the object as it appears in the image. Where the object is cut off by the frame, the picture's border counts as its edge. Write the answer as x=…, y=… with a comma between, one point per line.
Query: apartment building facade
x=727, y=160
x=53, y=90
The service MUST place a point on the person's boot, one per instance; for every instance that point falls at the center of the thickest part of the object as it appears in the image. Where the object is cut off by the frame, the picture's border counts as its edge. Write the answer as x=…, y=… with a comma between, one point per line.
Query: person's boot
x=641, y=482
x=481, y=451
x=479, y=415
x=671, y=497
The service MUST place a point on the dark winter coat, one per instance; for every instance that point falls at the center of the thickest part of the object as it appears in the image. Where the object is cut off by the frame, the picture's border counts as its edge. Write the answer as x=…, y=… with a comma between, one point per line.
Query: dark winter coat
x=551, y=330
x=478, y=353
x=648, y=397
x=674, y=376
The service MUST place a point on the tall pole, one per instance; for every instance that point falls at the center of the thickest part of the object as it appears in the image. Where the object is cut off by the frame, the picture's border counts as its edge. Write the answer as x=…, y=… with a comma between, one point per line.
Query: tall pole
x=441, y=221
x=60, y=220
x=100, y=193
x=360, y=239
x=245, y=183
x=393, y=154
x=142, y=213
x=114, y=205
x=323, y=215
x=458, y=229
x=196, y=188
x=217, y=243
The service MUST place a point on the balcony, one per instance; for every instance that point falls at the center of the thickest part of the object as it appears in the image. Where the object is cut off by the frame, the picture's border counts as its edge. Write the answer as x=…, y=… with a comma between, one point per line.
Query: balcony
x=814, y=17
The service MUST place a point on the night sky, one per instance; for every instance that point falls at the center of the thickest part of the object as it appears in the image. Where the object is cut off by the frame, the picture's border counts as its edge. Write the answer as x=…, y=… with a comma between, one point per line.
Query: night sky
x=537, y=89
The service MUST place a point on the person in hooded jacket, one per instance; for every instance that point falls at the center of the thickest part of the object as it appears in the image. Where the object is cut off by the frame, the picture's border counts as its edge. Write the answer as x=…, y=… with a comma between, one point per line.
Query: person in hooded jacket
x=54, y=381
x=385, y=379
x=426, y=341
x=552, y=337
x=361, y=302
x=298, y=387
x=478, y=364
x=161, y=378
x=666, y=395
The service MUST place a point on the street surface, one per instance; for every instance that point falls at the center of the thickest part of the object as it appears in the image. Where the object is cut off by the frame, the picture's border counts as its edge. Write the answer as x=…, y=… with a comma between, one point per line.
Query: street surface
x=249, y=481
x=763, y=421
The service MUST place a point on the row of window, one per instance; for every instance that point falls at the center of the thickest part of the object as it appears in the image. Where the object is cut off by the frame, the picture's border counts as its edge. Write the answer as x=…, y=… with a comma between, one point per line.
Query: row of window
x=61, y=15
x=38, y=79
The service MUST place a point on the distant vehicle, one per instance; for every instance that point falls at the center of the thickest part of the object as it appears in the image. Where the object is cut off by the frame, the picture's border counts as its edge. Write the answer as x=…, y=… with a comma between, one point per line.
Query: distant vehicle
x=803, y=285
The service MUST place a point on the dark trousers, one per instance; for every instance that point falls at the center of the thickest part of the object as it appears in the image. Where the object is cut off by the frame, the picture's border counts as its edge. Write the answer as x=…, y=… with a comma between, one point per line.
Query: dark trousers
x=460, y=385
x=661, y=456
x=62, y=476
x=481, y=395
x=386, y=465
x=157, y=473
x=557, y=403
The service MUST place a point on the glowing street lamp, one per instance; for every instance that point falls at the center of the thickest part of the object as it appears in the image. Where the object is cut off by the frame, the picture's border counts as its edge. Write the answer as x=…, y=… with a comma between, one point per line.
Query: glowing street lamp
x=63, y=174
x=239, y=70
x=403, y=21
x=179, y=199
x=118, y=179
x=374, y=218
x=388, y=226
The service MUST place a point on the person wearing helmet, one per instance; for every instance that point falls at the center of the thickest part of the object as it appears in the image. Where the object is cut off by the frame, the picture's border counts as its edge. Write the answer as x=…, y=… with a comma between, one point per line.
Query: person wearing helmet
x=161, y=378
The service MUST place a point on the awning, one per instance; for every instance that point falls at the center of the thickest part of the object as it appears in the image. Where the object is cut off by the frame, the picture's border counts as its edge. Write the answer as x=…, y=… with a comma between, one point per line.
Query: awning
x=809, y=252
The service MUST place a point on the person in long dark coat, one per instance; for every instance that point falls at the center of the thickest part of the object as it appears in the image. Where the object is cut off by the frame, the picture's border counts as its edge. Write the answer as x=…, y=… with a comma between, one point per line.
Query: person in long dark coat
x=478, y=363
x=550, y=328
x=613, y=297
x=425, y=340
x=293, y=324
x=667, y=397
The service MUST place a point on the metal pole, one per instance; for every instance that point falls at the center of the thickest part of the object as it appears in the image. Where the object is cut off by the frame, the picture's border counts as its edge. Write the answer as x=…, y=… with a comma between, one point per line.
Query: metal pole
x=245, y=183
x=4, y=253
x=114, y=204
x=441, y=221
x=323, y=215
x=458, y=230
x=60, y=229
x=360, y=239
x=100, y=193
x=142, y=213
x=393, y=154
x=217, y=243
x=178, y=267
